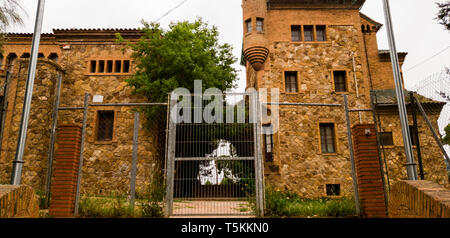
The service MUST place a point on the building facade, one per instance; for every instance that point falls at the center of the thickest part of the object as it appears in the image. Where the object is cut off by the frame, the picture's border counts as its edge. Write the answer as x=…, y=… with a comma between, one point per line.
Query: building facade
x=89, y=61
x=316, y=52
x=313, y=51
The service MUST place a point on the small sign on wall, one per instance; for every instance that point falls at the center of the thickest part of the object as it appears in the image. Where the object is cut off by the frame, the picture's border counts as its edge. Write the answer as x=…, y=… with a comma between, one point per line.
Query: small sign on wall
x=98, y=99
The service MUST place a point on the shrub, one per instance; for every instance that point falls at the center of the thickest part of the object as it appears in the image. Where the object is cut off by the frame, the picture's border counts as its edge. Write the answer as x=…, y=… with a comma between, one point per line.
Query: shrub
x=287, y=204
x=92, y=207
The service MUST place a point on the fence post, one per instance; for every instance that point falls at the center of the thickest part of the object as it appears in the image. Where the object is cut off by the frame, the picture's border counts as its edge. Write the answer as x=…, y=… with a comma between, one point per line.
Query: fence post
x=352, y=156
x=416, y=134
x=259, y=174
x=170, y=157
x=80, y=166
x=134, y=161
x=373, y=102
x=51, y=149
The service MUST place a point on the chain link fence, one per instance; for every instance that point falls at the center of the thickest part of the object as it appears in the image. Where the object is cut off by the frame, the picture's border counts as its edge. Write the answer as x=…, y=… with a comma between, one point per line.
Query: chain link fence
x=123, y=151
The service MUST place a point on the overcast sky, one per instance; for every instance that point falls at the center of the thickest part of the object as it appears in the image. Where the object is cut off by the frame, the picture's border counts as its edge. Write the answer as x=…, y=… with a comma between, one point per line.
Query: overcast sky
x=416, y=30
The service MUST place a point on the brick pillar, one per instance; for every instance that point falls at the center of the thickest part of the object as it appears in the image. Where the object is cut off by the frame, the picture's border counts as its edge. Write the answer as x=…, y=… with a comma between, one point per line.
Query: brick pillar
x=65, y=171
x=370, y=183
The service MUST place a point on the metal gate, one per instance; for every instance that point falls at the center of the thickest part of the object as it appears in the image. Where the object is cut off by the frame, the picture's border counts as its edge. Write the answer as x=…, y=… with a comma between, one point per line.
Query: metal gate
x=214, y=161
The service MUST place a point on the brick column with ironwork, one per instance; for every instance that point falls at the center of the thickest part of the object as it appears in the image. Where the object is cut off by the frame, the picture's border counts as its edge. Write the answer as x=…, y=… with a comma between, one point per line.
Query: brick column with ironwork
x=370, y=182
x=65, y=171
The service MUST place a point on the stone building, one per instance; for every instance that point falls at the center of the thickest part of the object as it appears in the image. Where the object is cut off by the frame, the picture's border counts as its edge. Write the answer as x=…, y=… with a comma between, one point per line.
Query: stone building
x=90, y=61
x=315, y=52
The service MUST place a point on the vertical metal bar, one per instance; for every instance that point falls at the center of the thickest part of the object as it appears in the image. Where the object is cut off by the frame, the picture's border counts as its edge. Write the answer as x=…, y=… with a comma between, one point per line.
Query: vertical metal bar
x=352, y=156
x=410, y=164
x=51, y=149
x=416, y=134
x=167, y=135
x=4, y=107
x=372, y=102
x=80, y=163
x=171, y=158
x=435, y=135
x=134, y=161
x=258, y=157
x=18, y=162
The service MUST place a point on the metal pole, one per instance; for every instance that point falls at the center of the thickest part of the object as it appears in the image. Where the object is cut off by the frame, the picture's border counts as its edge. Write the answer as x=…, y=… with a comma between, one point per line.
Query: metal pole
x=352, y=156
x=134, y=161
x=171, y=157
x=51, y=149
x=383, y=173
x=410, y=164
x=435, y=135
x=416, y=134
x=80, y=163
x=18, y=162
x=259, y=174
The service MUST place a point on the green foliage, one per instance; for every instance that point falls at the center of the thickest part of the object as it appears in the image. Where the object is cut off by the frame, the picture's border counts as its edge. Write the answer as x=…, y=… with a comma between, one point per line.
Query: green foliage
x=152, y=209
x=42, y=200
x=286, y=204
x=446, y=139
x=118, y=207
x=94, y=207
x=443, y=15
x=169, y=59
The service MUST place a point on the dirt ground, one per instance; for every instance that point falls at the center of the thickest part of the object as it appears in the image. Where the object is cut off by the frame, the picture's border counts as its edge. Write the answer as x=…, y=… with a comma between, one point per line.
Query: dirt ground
x=212, y=209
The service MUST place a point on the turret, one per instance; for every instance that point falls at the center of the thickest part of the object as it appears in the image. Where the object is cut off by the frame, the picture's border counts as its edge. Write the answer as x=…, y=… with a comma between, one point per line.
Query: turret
x=255, y=42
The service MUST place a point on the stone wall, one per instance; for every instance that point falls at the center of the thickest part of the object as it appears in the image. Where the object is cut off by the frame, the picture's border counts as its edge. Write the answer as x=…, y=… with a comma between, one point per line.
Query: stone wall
x=419, y=199
x=38, y=136
x=18, y=202
x=107, y=165
x=433, y=161
x=298, y=163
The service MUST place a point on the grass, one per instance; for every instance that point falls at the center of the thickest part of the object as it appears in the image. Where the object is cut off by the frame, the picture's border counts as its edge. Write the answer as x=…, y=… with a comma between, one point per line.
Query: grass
x=285, y=204
x=117, y=207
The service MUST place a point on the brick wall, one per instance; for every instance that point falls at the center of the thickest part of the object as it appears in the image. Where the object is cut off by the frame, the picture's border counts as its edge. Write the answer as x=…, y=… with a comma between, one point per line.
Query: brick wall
x=370, y=183
x=18, y=202
x=65, y=171
x=419, y=199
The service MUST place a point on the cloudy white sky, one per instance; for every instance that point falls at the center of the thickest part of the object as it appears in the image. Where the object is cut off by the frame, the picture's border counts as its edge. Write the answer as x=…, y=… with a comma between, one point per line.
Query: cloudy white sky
x=416, y=30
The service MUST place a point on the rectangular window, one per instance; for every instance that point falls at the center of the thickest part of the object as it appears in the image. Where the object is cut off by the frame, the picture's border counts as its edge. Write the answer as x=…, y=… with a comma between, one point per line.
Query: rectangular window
x=327, y=139
x=248, y=25
x=414, y=139
x=308, y=32
x=259, y=24
x=126, y=66
x=333, y=189
x=109, y=66
x=296, y=33
x=93, y=66
x=268, y=142
x=321, y=33
x=101, y=66
x=291, y=82
x=118, y=66
x=340, y=81
x=386, y=138
x=105, y=125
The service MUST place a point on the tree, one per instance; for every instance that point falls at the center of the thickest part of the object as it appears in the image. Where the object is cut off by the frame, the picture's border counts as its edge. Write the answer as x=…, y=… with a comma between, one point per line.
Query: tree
x=173, y=58
x=168, y=59
x=444, y=14
x=446, y=138
x=10, y=14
